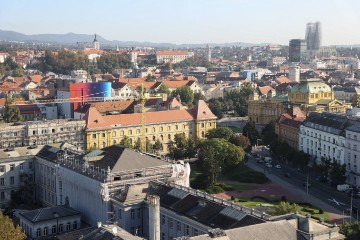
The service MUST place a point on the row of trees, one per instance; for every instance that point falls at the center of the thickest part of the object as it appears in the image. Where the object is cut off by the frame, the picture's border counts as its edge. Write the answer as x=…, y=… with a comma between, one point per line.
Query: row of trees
x=66, y=61
x=234, y=101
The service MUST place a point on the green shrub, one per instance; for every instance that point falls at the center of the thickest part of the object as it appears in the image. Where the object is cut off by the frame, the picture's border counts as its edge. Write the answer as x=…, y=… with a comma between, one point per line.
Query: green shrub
x=214, y=189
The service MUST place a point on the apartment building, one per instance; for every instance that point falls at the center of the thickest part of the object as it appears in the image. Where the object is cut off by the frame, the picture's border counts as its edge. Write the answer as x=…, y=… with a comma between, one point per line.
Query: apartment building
x=42, y=132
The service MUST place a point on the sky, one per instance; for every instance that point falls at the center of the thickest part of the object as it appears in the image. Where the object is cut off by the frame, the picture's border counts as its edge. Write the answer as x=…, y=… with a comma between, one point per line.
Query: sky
x=186, y=21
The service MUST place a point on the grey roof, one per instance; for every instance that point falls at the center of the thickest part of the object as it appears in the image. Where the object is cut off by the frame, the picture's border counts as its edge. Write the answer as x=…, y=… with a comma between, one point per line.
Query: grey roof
x=279, y=230
x=354, y=128
x=44, y=214
x=334, y=123
x=120, y=159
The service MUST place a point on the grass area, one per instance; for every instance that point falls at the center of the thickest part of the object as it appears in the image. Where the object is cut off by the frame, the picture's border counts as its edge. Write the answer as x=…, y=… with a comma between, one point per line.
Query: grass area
x=305, y=208
x=244, y=174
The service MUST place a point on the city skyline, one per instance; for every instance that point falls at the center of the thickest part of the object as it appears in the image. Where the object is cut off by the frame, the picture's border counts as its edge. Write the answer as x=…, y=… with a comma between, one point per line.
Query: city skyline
x=183, y=22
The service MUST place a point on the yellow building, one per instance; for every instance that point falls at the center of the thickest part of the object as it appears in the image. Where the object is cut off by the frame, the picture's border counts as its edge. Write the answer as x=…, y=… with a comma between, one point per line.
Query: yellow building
x=102, y=131
x=313, y=95
x=263, y=110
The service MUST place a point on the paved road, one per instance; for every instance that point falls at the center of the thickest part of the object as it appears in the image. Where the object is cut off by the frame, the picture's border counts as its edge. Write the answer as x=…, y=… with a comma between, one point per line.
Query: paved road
x=319, y=190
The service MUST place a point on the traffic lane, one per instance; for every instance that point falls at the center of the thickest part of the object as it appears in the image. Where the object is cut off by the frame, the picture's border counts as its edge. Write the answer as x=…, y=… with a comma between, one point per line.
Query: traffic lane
x=322, y=192
x=297, y=179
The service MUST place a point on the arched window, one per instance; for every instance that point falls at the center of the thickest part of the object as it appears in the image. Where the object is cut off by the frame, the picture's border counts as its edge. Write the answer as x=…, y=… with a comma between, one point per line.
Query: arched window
x=153, y=130
x=162, y=137
x=154, y=138
x=203, y=134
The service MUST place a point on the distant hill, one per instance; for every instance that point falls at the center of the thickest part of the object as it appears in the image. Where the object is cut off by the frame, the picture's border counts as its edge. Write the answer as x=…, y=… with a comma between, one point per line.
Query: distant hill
x=73, y=38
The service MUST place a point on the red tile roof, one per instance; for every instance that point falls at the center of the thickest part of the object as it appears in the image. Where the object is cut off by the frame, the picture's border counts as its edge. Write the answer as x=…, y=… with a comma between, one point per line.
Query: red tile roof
x=94, y=120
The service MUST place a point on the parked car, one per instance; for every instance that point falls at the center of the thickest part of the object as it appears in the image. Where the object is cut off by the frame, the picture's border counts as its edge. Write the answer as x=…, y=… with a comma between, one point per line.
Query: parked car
x=268, y=165
x=278, y=166
x=288, y=175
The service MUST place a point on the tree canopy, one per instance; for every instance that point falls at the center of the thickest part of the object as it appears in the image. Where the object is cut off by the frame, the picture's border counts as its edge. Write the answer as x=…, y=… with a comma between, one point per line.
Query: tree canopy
x=12, y=112
x=250, y=131
x=182, y=147
x=350, y=230
x=186, y=95
x=8, y=231
x=217, y=154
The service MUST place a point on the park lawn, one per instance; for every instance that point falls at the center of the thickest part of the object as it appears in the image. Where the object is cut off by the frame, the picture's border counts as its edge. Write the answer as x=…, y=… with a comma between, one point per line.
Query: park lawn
x=305, y=208
x=244, y=174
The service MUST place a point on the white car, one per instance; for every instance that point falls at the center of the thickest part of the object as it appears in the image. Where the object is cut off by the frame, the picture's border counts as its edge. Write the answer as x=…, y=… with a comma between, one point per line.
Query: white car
x=278, y=166
x=268, y=165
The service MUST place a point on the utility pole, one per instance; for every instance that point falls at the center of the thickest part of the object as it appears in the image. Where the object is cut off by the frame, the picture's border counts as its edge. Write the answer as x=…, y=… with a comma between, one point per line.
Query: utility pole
x=351, y=203
x=307, y=183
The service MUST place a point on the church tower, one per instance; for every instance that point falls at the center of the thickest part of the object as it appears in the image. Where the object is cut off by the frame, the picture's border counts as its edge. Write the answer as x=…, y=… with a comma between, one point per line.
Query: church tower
x=96, y=43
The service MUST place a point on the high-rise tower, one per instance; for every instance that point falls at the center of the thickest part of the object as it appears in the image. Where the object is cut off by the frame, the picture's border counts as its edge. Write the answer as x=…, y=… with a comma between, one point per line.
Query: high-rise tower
x=208, y=53
x=313, y=36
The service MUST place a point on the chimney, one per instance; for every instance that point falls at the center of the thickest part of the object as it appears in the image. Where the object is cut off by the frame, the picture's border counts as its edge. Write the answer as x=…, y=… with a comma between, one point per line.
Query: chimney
x=154, y=217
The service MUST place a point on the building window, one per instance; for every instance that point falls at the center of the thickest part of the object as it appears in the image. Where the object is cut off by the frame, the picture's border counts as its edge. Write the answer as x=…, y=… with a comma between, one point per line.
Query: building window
x=60, y=228
x=171, y=223
x=45, y=231
x=169, y=137
x=163, y=219
x=187, y=230
x=21, y=166
x=12, y=180
x=53, y=229
x=2, y=168
x=178, y=226
x=2, y=195
x=202, y=125
x=38, y=232
x=94, y=136
x=30, y=165
x=12, y=167
x=68, y=226
x=132, y=212
x=163, y=236
x=2, y=181
x=103, y=135
x=139, y=213
x=75, y=225
x=161, y=129
x=114, y=134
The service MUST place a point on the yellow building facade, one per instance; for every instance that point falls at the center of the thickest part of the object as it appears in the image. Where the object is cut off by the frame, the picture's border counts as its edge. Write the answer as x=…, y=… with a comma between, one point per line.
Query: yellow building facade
x=311, y=95
x=103, y=131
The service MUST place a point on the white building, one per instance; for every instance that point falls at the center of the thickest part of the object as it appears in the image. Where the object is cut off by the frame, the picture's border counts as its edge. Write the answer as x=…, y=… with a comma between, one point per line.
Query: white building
x=345, y=93
x=352, y=154
x=16, y=173
x=323, y=135
x=51, y=221
x=172, y=56
x=294, y=73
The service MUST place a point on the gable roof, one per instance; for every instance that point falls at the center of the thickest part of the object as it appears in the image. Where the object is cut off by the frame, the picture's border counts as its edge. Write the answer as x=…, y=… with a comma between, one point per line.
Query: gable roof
x=202, y=111
x=44, y=214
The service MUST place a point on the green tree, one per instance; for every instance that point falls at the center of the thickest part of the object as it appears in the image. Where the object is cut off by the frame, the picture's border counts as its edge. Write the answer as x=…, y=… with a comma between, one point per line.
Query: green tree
x=217, y=154
x=241, y=141
x=18, y=72
x=268, y=134
x=324, y=166
x=8, y=231
x=182, y=147
x=125, y=142
x=250, y=131
x=158, y=147
x=355, y=101
x=350, y=230
x=186, y=95
x=216, y=107
x=337, y=173
x=163, y=89
x=285, y=208
x=12, y=113
x=150, y=78
x=220, y=132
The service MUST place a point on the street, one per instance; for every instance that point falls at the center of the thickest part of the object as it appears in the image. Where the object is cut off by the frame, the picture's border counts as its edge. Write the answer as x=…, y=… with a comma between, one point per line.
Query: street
x=328, y=196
